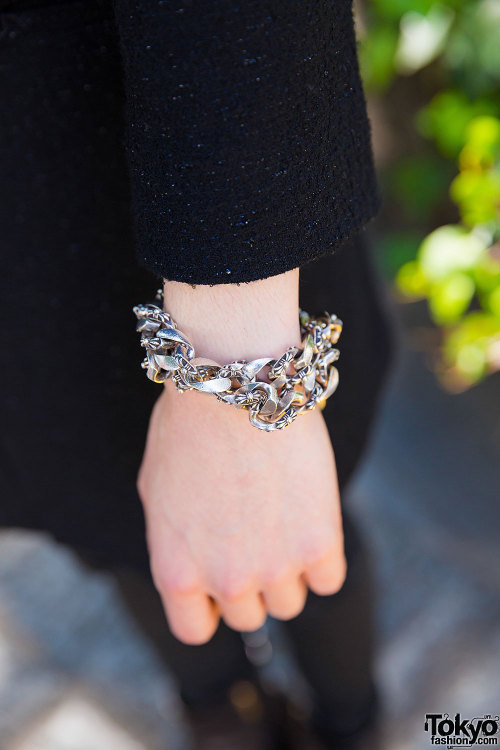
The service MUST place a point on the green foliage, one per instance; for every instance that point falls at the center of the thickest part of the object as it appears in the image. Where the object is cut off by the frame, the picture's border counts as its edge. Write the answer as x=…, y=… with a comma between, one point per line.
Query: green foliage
x=376, y=56
x=446, y=117
x=455, y=267
x=472, y=52
x=409, y=35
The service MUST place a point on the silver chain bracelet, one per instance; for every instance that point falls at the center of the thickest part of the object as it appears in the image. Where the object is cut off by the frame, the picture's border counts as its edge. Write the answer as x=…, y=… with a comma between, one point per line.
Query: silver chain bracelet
x=273, y=405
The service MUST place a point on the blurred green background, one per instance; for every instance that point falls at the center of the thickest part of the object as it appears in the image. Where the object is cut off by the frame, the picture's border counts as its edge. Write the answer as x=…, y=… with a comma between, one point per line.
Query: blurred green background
x=431, y=72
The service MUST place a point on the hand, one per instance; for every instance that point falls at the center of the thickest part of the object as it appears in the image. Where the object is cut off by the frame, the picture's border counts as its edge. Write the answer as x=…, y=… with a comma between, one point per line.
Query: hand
x=239, y=521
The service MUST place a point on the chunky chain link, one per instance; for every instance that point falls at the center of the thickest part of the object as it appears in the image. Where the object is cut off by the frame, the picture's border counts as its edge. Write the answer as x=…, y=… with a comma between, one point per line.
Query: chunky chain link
x=273, y=404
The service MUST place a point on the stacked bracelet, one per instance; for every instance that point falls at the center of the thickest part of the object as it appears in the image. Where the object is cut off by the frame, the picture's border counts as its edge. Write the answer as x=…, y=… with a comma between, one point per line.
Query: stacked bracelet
x=274, y=403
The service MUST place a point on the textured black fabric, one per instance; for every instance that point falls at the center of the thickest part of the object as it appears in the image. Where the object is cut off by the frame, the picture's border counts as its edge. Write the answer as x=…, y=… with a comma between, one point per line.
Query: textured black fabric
x=74, y=403
x=247, y=138
x=247, y=134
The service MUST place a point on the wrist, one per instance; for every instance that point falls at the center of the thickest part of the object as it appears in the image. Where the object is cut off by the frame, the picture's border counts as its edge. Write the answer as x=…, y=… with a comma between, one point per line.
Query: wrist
x=229, y=322
x=301, y=373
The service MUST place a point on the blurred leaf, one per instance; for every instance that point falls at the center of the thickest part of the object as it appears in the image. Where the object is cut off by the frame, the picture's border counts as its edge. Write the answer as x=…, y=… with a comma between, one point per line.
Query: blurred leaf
x=471, y=360
x=449, y=249
x=476, y=326
x=376, y=56
x=482, y=136
x=467, y=347
x=446, y=117
x=486, y=273
x=494, y=301
x=422, y=37
x=411, y=281
x=477, y=194
x=451, y=298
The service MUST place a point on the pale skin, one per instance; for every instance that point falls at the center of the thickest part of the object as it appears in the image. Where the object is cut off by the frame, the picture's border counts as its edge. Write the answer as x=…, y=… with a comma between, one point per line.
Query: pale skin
x=240, y=522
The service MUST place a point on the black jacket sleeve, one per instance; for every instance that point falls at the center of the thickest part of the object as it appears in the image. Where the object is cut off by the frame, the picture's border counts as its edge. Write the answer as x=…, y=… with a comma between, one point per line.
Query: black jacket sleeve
x=247, y=136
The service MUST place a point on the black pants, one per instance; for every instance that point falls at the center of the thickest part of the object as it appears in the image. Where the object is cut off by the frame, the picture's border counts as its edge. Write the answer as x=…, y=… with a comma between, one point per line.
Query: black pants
x=74, y=402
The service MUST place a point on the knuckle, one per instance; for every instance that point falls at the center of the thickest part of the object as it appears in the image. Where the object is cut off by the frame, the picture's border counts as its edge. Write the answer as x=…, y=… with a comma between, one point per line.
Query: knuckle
x=232, y=589
x=318, y=550
x=276, y=575
x=181, y=587
x=173, y=580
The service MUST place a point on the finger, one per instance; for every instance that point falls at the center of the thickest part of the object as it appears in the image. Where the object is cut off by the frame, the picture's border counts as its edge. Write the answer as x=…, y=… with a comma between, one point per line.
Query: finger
x=243, y=613
x=327, y=574
x=286, y=598
x=193, y=617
